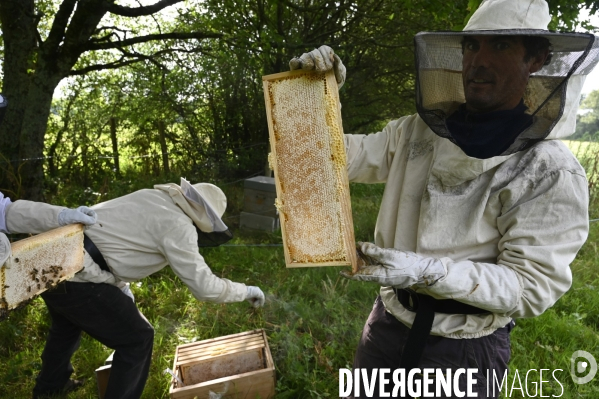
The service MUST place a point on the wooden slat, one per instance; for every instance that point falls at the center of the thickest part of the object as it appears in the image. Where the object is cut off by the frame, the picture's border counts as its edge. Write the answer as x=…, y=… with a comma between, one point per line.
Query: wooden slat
x=225, y=338
x=256, y=382
x=222, y=346
x=270, y=364
x=201, y=356
x=308, y=159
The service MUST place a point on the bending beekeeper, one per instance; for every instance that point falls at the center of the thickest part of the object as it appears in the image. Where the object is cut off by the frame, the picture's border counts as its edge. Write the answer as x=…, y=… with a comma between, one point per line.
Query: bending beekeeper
x=483, y=209
x=135, y=235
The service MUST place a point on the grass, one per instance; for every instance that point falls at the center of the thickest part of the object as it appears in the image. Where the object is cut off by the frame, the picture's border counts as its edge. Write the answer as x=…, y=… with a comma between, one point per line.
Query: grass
x=313, y=317
x=587, y=153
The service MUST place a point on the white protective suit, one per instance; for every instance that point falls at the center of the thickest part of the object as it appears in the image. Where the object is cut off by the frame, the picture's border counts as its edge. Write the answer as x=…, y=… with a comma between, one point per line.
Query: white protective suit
x=4, y=242
x=138, y=234
x=506, y=228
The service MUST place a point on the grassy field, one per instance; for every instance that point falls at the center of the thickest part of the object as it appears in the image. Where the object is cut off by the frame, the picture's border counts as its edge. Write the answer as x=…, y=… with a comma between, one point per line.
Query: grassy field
x=313, y=317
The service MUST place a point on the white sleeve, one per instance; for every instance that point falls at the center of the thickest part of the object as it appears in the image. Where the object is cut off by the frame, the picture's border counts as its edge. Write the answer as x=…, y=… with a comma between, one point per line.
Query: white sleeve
x=4, y=202
x=32, y=217
x=369, y=157
x=93, y=273
x=180, y=248
x=543, y=226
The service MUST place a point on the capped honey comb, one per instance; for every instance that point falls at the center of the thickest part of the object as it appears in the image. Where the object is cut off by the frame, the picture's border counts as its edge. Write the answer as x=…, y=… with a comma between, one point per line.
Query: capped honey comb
x=308, y=158
x=39, y=263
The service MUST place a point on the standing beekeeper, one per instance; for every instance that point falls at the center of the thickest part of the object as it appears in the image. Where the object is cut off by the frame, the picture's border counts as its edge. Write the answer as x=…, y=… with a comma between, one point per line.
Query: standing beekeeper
x=483, y=209
x=135, y=235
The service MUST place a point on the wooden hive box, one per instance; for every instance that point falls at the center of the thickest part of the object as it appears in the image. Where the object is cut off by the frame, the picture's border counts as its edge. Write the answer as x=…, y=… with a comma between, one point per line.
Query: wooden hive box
x=235, y=366
x=309, y=163
x=38, y=263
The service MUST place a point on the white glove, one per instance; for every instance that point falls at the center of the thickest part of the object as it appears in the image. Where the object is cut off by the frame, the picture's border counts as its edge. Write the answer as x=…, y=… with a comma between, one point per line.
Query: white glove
x=255, y=296
x=394, y=268
x=321, y=60
x=83, y=215
x=126, y=289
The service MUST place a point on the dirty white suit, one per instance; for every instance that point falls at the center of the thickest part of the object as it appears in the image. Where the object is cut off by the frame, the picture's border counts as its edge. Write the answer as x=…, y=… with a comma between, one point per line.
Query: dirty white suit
x=506, y=230
x=137, y=234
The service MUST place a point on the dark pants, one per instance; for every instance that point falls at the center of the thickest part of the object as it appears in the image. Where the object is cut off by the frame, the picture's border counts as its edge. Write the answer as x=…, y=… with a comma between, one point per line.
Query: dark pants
x=384, y=337
x=111, y=317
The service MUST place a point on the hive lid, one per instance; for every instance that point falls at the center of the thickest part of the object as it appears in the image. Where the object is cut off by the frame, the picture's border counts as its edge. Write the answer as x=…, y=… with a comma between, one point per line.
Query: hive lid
x=263, y=183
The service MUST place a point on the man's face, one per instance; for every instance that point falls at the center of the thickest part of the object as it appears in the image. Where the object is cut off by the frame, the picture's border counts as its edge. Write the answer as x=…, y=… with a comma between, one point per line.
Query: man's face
x=494, y=72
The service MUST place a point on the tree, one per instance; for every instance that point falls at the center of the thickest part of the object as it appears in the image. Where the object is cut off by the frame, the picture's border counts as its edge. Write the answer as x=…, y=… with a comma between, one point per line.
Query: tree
x=587, y=124
x=201, y=69
x=43, y=40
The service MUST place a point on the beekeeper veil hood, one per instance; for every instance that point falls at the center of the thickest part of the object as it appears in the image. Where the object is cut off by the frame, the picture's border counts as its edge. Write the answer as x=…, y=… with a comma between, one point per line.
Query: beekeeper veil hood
x=552, y=94
x=205, y=204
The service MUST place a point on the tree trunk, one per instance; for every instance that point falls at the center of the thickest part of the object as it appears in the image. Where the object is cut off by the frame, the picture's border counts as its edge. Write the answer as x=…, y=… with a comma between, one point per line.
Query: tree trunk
x=31, y=74
x=33, y=131
x=18, y=30
x=163, y=147
x=115, y=146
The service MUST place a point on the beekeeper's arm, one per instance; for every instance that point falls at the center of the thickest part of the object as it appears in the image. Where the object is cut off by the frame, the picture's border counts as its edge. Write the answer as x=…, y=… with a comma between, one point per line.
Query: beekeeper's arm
x=180, y=248
x=542, y=226
x=37, y=217
x=369, y=157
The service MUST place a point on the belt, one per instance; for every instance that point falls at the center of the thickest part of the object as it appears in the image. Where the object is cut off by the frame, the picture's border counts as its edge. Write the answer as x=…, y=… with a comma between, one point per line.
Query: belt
x=425, y=307
x=95, y=253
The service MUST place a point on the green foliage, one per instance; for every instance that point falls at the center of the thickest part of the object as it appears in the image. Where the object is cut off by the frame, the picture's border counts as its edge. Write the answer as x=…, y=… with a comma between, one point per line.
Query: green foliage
x=209, y=94
x=313, y=317
x=587, y=121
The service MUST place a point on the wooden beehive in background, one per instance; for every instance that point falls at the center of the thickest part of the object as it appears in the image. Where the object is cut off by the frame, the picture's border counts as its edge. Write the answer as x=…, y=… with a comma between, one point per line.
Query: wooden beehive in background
x=234, y=366
x=309, y=163
x=38, y=263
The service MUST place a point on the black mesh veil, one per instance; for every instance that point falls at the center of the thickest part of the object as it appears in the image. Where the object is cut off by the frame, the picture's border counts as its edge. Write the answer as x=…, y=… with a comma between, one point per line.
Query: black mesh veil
x=439, y=88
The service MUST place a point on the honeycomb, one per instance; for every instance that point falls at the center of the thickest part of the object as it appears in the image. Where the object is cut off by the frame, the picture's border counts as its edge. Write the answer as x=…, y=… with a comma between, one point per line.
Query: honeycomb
x=308, y=157
x=38, y=263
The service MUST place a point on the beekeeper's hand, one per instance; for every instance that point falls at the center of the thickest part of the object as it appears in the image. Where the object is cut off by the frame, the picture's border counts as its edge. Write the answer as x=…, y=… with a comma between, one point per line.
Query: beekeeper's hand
x=255, y=296
x=394, y=268
x=83, y=215
x=321, y=59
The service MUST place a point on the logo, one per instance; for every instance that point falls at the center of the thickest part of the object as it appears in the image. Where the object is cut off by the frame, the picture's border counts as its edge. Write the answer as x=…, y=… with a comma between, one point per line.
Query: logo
x=578, y=367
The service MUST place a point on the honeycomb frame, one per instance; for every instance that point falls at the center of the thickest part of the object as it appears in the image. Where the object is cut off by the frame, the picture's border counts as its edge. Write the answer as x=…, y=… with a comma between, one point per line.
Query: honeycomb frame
x=309, y=163
x=39, y=263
